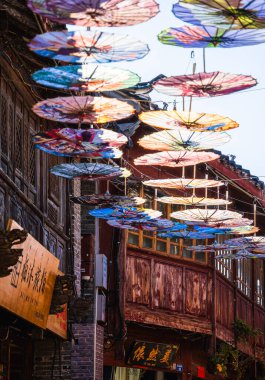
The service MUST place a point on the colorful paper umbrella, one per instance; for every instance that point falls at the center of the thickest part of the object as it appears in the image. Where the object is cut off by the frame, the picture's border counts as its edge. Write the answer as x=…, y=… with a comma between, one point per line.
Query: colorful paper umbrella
x=244, y=230
x=83, y=109
x=70, y=142
x=205, y=216
x=175, y=159
x=182, y=183
x=204, y=84
x=92, y=78
x=236, y=14
x=191, y=120
x=186, y=235
x=88, y=171
x=149, y=225
x=96, y=12
x=248, y=242
x=242, y=254
x=88, y=47
x=107, y=199
x=192, y=201
x=212, y=248
x=125, y=213
x=182, y=139
x=230, y=223
x=210, y=36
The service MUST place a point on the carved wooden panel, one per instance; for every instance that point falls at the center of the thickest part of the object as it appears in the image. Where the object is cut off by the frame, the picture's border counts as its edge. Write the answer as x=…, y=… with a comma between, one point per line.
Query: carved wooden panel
x=260, y=324
x=138, y=280
x=244, y=309
x=168, y=287
x=196, y=293
x=224, y=304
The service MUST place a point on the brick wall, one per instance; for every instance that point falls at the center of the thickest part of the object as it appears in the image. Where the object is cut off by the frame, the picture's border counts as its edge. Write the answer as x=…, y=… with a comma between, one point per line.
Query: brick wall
x=52, y=359
x=83, y=359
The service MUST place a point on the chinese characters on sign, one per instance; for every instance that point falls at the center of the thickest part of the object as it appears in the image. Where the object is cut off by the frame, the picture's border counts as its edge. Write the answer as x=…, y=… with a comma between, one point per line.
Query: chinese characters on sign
x=152, y=354
x=27, y=291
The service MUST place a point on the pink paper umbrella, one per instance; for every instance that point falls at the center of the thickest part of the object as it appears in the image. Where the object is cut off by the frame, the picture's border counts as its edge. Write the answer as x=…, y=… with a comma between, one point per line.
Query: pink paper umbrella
x=96, y=12
x=204, y=84
x=175, y=159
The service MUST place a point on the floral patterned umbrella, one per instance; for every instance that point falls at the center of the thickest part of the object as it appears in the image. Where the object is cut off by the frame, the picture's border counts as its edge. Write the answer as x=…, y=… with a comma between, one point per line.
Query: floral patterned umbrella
x=239, y=255
x=96, y=12
x=148, y=225
x=88, y=47
x=83, y=109
x=236, y=14
x=91, y=78
x=87, y=171
x=192, y=201
x=175, y=159
x=181, y=139
x=205, y=216
x=210, y=36
x=125, y=213
x=182, y=183
x=248, y=242
x=68, y=142
x=107, y=199
x=204, y=84
x=190, y=120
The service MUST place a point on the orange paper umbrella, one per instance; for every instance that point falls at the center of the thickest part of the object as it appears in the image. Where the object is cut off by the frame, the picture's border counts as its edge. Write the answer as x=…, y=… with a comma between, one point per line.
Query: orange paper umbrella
x=191, y=120
x=83, y=109
x=204, y=84
x=182, y=183
x=191, y=201
x=175, y=159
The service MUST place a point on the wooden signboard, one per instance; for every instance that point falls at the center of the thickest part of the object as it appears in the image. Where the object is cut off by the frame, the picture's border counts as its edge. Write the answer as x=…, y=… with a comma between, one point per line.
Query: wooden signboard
x=58, y=323
x=27, y=291
x=157, y=355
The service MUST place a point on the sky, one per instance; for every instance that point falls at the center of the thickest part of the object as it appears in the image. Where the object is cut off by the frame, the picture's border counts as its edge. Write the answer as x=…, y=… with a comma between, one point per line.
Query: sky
x=246, y=107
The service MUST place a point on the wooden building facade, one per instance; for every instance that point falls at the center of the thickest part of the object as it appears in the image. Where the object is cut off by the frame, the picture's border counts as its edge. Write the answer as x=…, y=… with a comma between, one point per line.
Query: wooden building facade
x=173, y=296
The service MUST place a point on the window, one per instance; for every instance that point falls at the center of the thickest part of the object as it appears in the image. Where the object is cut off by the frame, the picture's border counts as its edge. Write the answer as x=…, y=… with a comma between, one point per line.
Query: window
x=224, y=266
x=243, y=276
x=259, y=282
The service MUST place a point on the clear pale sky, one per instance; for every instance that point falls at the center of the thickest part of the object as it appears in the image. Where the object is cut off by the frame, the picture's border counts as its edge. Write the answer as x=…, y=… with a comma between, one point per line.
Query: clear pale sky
x=247, y=108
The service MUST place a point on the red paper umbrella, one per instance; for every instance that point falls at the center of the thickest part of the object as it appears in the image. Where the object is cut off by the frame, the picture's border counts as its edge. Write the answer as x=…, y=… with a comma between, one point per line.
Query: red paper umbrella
x=70, y=142
x=175, y=159
x=96, y=12
x=83, y=109
x=182, y=183
x=204, y=84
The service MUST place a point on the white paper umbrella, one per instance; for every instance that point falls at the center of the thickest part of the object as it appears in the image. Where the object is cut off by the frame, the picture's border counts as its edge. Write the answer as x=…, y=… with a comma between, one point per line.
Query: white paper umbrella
x=183, y=139
x=182, y=183
x=194, y=201
x=205, y=215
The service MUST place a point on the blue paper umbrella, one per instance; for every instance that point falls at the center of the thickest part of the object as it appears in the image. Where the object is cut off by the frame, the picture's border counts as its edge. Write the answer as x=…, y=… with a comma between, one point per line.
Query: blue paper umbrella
x=210, y=36
x=125, y=213
x=91, y=78
x=236, y=14
x=212, y=230
x=88, y=47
